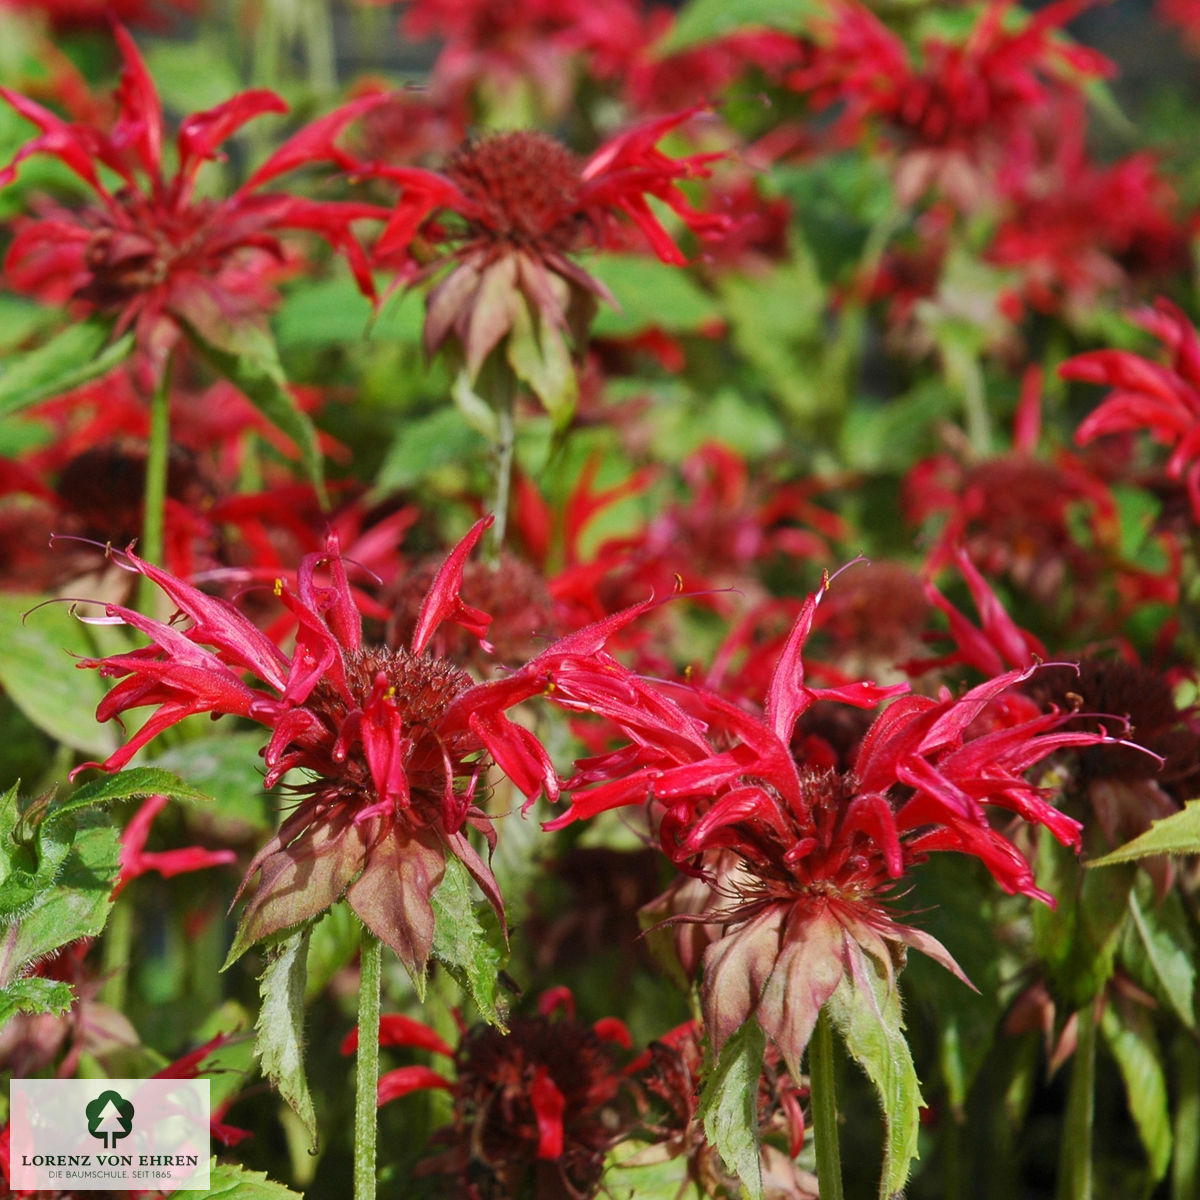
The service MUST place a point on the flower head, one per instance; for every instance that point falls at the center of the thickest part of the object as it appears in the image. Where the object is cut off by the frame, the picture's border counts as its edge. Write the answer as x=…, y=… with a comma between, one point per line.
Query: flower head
x=670, y=1073
x=536, y=1108
x=395, y=742
x=953, y=110
x=155, y=252
x=507, y=213
x=1163, y=400
x=803, y=860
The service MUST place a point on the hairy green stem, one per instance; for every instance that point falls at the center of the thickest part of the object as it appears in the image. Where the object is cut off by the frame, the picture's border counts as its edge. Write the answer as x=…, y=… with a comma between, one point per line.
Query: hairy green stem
x=1185, y=1162
x=367, y=1067
x=823, y=1092
x=115, y=951
x=1075, y=1161
x=504, y=400
x=154, y=495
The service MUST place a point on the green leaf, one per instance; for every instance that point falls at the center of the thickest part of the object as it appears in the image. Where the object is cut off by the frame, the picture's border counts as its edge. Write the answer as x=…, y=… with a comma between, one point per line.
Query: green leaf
x=33, y=848
x=77, y=906
x=227, y=769
x=124, y=785
x=866, y=1012
x=468, y=942
x=960, y=906
x=227, y=1181
x=777, y=325
x=425, y=443
x=539, y=355
x=329, y=312
x=707, y=20
x=1169, y=949
x=729, y=1105
x=1129, y=1035
x=80, y=353
x=1078, y=940
x=1185, y=1162
x=650, y=294
x=248, y=358
x=35, y=995
x=882, y=437
x=280, y=1026
x=195, y=74
x=37, y=674
x=1176, y=834
x=336, y=935
x=638, y=1171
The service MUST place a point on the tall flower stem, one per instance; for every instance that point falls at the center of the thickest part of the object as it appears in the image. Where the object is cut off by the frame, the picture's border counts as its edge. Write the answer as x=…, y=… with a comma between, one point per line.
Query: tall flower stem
x=154, y=496
x=115, y=950
x=823, y=1090
x=1075, y=1162
x=367, y=1067
x=503, y=395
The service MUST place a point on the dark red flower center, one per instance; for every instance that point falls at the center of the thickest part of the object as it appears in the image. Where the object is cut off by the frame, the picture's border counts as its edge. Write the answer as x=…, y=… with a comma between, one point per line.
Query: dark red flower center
x=137, y=248
x=422, y=687
x=497, y=1110
x=523, y=188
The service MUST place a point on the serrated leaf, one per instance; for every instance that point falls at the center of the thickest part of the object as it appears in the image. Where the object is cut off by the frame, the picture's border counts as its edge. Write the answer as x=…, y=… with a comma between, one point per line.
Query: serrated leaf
x=124, y=785
x=1129, y=1036
x=467, y=941
x=33, y=848
x=250, y=360
x=280, y=1027
x=35, y=995
x=729, y=1105
x=1166, y=938
x=1176, y=834
x=80, y=353
x=227, y=1181
x=77, y=906
x=708, y=20
x=867, y=1014
x=37, y=673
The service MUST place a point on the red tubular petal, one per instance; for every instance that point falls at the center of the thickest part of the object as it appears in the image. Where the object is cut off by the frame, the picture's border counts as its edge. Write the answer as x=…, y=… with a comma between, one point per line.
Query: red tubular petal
x=442, y=600
x=396, y=1029
x=554, y=998
x=548, y=1106
x=612, y=1029
x=401, y=1081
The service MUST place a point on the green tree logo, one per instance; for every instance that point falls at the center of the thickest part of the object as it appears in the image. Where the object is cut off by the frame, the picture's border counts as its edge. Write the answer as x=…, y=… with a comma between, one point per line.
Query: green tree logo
x=109, y=1117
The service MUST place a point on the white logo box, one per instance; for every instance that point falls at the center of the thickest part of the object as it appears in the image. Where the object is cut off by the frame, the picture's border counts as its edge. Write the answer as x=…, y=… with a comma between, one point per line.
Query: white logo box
x=146, y=1135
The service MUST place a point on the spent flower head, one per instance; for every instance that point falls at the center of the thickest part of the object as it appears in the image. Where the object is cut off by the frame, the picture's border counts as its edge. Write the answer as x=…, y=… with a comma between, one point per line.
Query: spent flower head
x=502, y=222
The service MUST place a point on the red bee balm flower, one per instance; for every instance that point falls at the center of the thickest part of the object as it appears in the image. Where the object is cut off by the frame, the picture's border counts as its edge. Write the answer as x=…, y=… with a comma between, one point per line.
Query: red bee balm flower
x=153, y=252
x=1162, y=400
x=802, y=858
x=509, y=210
x=395, y=742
